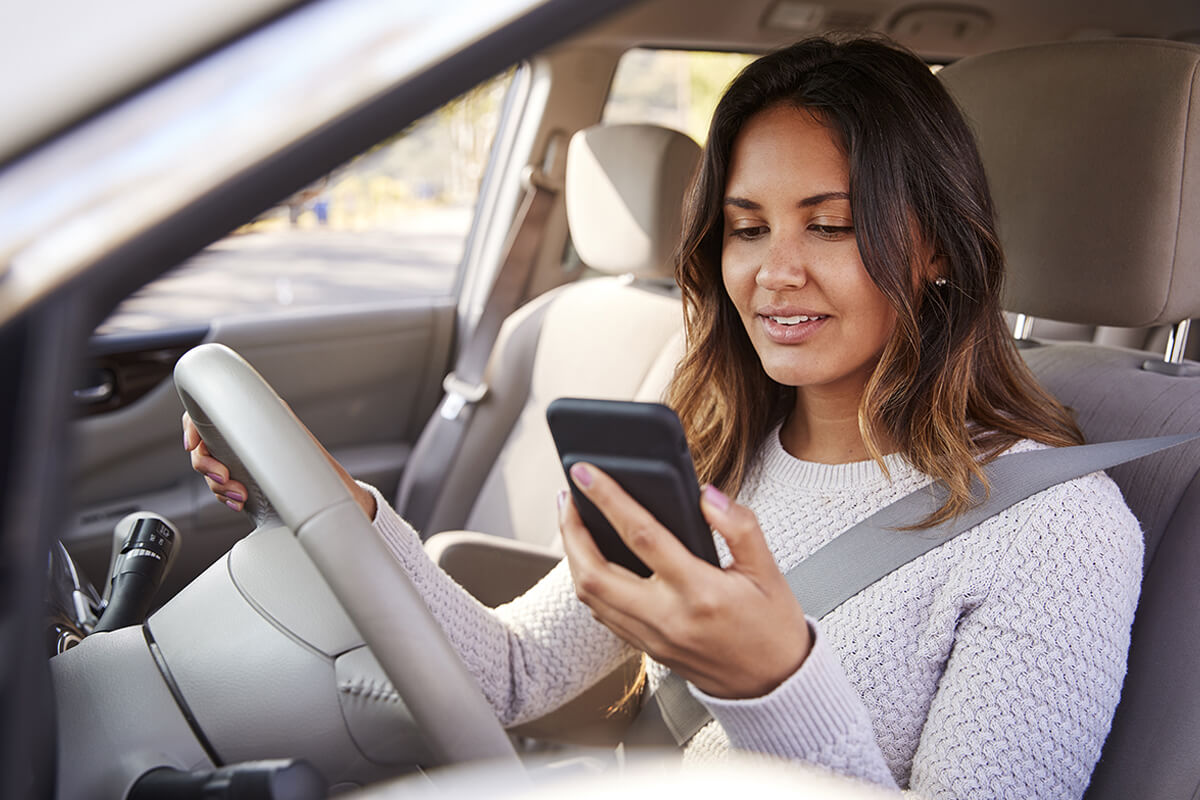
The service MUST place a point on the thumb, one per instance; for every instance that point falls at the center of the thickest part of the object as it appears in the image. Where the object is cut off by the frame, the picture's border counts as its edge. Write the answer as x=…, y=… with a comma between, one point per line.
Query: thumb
x=740, y=529
x=191, y=436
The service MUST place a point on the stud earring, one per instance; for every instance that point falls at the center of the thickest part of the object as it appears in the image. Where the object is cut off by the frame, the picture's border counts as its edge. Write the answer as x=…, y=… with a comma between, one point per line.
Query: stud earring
x=939, y=281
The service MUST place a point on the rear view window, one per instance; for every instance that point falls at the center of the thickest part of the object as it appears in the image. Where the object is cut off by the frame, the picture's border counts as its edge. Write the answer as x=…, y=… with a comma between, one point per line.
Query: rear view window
x=674, y=88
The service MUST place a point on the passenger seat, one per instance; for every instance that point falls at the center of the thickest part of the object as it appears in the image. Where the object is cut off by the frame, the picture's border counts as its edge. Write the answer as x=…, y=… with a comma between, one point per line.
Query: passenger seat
x=1093, y=153
x=617, y=336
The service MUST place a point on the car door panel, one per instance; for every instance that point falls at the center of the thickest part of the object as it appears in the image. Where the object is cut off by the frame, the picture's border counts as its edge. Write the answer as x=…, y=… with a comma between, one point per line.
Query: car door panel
x=363, y=379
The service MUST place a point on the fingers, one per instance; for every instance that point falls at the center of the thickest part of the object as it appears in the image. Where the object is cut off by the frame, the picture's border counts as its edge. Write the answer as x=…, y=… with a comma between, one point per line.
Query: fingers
x=657, y=547
x=737, y=632
x=592, y=572
x=580, y=548
x=231, y=493
x=216, y=475
x=600, y=584
x=740, y=529
x=603, y=586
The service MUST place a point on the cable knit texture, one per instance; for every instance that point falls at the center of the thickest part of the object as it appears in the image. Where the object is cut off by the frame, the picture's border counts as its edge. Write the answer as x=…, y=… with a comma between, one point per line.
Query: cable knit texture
x=989, y=667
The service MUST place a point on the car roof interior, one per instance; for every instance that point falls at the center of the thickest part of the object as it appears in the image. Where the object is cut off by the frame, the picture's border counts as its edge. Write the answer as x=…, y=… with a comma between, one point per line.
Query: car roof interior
x=939, y=32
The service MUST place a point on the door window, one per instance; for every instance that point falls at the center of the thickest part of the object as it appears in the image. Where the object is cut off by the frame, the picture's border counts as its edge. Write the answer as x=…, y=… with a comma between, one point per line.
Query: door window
x=389, y=224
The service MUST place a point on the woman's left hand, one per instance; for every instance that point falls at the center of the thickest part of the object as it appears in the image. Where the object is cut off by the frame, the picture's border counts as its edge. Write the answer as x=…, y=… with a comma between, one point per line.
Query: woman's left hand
x=736, y=632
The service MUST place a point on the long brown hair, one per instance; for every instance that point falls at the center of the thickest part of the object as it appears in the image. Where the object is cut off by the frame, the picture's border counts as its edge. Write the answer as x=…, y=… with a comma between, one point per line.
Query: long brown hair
x=950, y=388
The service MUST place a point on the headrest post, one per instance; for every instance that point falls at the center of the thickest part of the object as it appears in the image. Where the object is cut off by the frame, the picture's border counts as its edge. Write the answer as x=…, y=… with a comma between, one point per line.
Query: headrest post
x=1173, y=363
x=1177, y=342
x=1023, y=327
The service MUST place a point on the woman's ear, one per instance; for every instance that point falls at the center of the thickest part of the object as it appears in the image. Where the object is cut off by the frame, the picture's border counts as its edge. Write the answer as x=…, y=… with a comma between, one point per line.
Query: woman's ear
x=936, y=269
x=930, y=266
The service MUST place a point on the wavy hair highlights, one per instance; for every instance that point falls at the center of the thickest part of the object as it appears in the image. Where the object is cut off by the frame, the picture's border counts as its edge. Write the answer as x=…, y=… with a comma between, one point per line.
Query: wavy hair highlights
x=950, y=388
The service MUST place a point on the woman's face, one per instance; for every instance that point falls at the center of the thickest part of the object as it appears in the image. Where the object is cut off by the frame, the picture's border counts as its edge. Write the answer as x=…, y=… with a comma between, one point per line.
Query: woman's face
x=790, y=259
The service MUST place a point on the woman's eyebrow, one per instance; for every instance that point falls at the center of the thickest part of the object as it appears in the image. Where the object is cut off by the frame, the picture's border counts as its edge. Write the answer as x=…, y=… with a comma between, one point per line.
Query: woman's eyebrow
x=741, y=202
x=808, y=202
x=824, y=197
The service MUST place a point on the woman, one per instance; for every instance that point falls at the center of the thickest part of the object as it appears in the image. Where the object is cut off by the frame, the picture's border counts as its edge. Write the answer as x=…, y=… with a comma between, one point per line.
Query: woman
x=841, y=278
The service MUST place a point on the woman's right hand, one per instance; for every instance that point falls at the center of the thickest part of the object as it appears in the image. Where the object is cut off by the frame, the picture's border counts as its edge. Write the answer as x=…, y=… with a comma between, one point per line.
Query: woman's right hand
x=216, y=474
x=234, y=494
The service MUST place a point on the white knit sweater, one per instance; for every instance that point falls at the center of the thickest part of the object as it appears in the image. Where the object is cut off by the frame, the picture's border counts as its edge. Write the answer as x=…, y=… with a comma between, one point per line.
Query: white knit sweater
x=989, y=667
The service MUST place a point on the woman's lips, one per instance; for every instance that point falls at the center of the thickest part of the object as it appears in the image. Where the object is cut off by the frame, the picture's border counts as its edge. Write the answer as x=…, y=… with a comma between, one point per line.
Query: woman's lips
x=791, y=328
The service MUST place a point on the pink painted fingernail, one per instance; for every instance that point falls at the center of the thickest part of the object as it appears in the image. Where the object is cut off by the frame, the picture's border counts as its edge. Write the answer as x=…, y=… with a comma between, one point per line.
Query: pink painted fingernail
x=185, y=441
x=215, y=478
x=582, y=475
x=232, y=504
x=235, y=496
x=562, y=499
x=715, y=496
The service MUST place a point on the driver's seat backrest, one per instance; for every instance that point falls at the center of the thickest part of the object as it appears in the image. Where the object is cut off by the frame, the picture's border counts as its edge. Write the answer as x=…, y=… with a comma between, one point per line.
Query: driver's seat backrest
x=616, y=336
x=1092, y=150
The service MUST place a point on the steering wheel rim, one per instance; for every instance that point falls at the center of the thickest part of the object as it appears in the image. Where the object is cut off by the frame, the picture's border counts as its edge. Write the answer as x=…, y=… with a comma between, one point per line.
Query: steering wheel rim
x=246, y=425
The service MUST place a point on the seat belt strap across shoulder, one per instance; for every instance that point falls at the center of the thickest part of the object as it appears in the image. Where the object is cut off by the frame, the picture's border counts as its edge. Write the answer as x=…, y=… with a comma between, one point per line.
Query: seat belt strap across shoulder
x=876, y=547
x=442, y=437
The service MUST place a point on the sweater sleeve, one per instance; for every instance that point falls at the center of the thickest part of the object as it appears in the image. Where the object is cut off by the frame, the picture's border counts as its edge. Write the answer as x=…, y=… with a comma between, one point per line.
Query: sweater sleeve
x=1028, y=692
x=815, y=716
x=530, y=655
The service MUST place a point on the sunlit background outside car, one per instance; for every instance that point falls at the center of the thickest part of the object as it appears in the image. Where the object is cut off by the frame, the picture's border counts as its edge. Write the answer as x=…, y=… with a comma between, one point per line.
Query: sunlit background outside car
x=395, y=219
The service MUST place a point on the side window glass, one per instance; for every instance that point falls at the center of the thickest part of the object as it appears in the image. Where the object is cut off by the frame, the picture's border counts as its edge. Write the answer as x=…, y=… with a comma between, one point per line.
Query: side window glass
x=389, y=224
x=674, y=88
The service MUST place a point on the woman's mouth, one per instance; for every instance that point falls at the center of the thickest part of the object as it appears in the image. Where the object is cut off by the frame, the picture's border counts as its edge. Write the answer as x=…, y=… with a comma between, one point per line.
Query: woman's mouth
x=791, y=328
x=795, y=320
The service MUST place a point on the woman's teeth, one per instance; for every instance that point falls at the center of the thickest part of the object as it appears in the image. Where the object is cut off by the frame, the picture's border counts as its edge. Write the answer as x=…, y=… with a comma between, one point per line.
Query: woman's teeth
x=796, y=319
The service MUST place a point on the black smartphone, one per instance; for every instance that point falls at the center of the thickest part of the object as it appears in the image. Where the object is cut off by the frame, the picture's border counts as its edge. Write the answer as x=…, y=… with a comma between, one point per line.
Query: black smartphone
x=642, y=446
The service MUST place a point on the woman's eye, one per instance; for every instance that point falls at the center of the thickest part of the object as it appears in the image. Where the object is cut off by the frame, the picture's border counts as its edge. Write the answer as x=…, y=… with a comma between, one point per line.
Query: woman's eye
x=749, y=233
x=832, y=232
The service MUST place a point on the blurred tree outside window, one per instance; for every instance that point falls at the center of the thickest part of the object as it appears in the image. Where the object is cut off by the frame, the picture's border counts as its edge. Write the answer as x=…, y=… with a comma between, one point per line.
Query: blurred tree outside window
x=674, y=88
x=390, y=223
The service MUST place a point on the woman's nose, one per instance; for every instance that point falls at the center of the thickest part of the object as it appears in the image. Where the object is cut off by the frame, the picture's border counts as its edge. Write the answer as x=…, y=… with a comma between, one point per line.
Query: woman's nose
x=783, y=267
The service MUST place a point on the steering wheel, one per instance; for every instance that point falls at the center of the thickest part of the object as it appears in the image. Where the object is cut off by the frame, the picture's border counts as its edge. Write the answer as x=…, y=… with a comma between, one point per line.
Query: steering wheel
x=248, y=427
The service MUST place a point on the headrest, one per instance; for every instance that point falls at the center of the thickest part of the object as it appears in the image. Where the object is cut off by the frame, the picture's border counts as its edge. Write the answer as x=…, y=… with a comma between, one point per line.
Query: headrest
x=624, y=191
x=1092, y=150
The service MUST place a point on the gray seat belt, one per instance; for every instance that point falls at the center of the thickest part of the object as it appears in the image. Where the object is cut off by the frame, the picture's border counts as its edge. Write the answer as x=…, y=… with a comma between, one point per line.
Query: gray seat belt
x=875, y=547
x=439, y=442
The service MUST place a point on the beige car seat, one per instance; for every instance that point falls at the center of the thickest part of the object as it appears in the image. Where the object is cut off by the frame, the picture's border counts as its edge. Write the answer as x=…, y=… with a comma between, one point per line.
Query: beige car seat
x=616, y=336
x=1093, y=152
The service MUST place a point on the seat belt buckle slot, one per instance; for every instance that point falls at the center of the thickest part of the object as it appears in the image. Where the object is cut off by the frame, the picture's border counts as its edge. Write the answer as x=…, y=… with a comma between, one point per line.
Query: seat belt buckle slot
x=459, y=394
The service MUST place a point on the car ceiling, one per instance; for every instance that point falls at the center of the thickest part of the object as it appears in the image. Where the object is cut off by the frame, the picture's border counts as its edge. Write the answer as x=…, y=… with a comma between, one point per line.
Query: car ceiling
x=938, y=31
